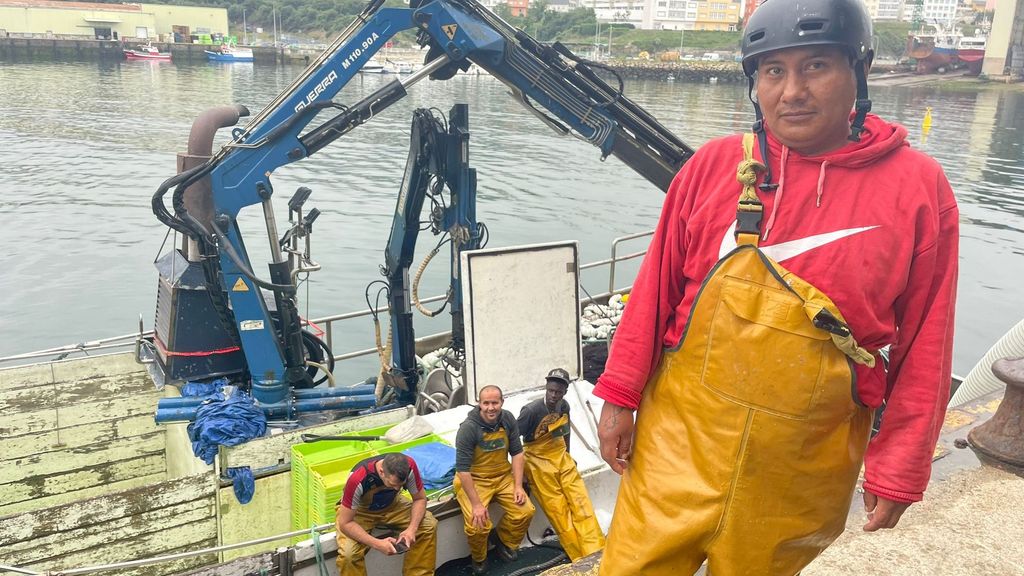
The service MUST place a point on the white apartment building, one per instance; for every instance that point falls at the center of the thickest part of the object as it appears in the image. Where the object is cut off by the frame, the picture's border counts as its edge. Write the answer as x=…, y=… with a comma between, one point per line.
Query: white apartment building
x=885, y=9
x=939, y=11
x=692, y=14
x=658, y=14
x=625, y=11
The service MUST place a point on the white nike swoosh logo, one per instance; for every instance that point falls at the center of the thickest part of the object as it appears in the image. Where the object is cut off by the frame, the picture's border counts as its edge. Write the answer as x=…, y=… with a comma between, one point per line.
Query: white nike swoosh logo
x=785, y=250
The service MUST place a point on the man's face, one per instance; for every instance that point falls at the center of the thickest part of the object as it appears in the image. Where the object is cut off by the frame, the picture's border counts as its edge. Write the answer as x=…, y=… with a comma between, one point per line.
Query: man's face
x=553, y=394
x=806, y=95
x=490, y=405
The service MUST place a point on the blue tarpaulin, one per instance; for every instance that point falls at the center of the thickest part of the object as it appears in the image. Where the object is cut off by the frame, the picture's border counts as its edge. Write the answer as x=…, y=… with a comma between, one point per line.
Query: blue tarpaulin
x=226, y=421
x=243, y=482
x=436, y=462
x=194, y=389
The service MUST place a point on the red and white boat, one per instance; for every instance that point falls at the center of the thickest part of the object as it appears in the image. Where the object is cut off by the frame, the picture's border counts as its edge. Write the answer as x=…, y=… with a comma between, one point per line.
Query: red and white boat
x=971, y=51
x=147, y=52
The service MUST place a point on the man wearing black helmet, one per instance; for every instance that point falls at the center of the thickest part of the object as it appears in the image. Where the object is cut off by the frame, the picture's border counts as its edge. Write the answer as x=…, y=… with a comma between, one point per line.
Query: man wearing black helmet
x=784, y=260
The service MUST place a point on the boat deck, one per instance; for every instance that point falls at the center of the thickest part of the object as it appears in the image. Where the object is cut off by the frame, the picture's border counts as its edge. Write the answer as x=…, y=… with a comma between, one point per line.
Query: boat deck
x=530, y=561
x=968, y=524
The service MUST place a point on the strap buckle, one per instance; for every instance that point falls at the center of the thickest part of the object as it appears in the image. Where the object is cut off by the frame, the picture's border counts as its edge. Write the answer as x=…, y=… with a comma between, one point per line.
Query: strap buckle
x=829, y=323
x=748, y=217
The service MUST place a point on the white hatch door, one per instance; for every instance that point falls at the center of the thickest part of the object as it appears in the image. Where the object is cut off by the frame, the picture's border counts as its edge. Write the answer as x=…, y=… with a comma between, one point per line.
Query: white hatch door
x=521, y=307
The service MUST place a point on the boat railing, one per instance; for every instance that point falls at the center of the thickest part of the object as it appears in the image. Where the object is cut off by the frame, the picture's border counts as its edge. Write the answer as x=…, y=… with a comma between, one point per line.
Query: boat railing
x=329, y=324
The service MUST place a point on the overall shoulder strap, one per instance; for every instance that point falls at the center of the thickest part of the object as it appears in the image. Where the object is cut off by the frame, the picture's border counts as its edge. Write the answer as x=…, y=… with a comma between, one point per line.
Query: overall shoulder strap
x=749, y=210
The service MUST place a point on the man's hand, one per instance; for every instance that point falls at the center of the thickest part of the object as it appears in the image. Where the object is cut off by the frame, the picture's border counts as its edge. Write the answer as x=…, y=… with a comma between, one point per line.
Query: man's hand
x=615, y=431
x=519, y=495
x=882, y=513
x=385, y=546
x=408, y=536
x=480, y=516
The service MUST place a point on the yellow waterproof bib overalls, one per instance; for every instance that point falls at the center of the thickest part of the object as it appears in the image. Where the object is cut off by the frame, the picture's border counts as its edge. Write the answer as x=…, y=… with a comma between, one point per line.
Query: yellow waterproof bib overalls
x=418, y=561
x=492, y=478
x=748, y=441
x=557, y=485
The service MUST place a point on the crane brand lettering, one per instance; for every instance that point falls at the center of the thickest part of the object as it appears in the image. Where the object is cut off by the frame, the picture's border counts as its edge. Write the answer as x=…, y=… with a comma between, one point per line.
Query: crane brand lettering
x=315, y=92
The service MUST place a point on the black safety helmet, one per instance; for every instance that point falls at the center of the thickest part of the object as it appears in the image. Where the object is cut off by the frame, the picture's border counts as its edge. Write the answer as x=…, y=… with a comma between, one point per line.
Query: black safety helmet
x=778, y=24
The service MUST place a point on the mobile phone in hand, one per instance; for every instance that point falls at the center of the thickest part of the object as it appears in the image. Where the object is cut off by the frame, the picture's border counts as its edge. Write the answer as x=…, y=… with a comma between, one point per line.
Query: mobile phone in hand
x=400, y=546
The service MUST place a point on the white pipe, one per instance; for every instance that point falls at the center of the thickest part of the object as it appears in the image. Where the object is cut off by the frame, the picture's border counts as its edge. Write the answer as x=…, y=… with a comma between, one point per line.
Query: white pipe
x=980, y=380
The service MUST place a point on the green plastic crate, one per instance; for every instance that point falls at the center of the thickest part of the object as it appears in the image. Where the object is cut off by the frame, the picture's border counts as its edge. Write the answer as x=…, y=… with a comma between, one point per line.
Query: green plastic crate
x=327, y=480
x=327, y=485
x=306, y=455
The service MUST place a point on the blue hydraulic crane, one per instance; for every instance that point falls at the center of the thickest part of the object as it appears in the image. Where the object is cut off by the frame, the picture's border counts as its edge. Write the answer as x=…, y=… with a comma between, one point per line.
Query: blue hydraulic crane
x=560, y=88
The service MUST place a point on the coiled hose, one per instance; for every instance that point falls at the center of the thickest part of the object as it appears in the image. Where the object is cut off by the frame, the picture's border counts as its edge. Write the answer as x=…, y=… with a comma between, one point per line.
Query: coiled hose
x=980, y=380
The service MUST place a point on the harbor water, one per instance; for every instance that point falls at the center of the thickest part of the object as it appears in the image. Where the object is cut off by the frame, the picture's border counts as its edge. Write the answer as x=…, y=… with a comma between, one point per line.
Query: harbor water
x=83, y=146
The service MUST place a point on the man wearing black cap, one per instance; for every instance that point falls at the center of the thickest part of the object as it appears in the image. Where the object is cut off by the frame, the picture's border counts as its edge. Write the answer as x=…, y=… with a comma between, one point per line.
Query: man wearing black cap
x=552, y=473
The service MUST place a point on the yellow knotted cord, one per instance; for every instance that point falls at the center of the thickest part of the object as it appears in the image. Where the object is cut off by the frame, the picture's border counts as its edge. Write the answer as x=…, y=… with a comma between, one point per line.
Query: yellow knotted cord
x=748, y=169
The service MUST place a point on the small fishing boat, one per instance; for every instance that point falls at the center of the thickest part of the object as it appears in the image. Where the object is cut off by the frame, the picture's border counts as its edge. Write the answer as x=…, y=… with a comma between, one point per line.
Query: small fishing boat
x=373, y=66
x=399, y=68
x=147, y=52
x=229, y=53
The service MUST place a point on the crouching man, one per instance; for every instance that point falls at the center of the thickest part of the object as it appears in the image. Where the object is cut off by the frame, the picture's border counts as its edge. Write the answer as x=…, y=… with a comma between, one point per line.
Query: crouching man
x=371, y=500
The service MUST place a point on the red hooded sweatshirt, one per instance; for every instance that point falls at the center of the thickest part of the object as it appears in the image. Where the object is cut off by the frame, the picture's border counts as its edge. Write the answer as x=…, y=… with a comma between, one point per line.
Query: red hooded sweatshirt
x=874, y=225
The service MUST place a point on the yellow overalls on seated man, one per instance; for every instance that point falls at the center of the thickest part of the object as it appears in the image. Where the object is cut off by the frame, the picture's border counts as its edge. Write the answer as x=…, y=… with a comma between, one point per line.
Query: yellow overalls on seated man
x=483, y=473
x=370, y=500
x=552, y=473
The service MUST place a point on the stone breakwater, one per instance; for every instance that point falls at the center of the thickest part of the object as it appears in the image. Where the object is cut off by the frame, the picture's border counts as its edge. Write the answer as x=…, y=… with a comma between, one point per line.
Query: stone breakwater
x=680, y=71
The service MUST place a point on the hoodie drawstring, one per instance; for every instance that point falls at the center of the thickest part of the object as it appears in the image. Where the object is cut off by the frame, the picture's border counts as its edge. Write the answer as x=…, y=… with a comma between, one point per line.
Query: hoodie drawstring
x=778, y=194
x=821, y=183
x=782, y=186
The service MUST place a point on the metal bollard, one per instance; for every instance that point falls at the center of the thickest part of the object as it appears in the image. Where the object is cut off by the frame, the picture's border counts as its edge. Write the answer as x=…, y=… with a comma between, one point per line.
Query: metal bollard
x=1002, y=437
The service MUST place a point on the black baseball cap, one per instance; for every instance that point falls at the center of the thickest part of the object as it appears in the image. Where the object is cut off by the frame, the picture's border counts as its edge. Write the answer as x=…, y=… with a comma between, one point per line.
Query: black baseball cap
x=560, y=375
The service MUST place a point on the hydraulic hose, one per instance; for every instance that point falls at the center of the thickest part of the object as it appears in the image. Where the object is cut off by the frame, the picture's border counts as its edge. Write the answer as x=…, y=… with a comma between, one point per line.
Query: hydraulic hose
x=416, y=289
x=225, y=245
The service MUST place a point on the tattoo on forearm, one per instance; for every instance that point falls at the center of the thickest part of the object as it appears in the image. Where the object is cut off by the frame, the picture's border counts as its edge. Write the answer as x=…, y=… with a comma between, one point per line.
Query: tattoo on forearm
x=613, y=420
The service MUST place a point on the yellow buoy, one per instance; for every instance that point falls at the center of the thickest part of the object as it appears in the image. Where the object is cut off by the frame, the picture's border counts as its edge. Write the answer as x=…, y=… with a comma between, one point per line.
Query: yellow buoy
x=926, y=124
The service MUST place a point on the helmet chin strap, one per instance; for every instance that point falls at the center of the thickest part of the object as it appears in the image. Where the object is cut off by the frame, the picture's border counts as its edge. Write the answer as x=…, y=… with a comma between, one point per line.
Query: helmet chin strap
x=863, y=105
x=762, y=137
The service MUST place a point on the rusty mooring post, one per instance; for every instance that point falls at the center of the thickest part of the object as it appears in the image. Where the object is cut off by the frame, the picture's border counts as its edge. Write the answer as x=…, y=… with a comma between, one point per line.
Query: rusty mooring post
x=1002, y=437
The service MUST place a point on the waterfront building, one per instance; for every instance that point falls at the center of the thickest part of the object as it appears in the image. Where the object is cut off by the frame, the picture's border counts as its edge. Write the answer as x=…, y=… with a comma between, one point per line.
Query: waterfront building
x=518, y=7
x=717, y=15
x=89, y=20
x=886, y=9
